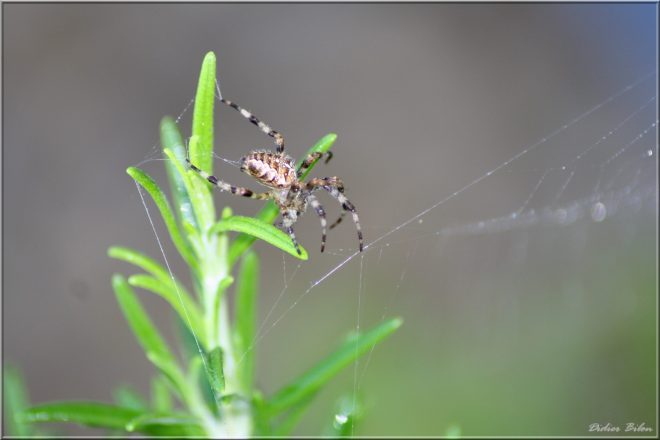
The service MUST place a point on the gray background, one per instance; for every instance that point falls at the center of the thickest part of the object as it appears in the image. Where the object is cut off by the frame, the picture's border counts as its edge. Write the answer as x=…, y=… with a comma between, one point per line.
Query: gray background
x=425, y=99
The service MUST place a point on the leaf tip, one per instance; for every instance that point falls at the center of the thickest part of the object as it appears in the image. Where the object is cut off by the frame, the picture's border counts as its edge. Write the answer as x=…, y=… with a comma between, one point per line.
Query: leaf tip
x=118, y=280
x=166, y=121
x=209, y=57
x=132, y=171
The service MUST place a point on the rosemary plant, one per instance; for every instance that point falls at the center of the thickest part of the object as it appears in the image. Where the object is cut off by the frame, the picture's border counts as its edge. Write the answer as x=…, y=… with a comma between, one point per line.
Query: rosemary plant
x=213, y=393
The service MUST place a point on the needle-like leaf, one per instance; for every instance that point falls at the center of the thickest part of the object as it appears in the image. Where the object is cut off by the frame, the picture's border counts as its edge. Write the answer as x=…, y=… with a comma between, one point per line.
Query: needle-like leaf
x=15, y=398
x=246, y=318
x=149, y=265
x=161, y=399
x=171, y=139
x=85, y=413
x=127, y=397
x=172, y=425
x=187, y=309
x=201, y=153
x=145, y=331
x=166, y=212
x=312, y=380
x=259, y=229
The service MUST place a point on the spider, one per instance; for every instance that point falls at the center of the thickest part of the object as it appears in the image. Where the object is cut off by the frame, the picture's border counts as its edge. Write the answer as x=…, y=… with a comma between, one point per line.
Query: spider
x=276, y=170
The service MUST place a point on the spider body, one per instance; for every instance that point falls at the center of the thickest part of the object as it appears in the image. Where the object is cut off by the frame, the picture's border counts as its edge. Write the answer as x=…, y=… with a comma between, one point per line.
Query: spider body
x=277, y=171
x=274, y=170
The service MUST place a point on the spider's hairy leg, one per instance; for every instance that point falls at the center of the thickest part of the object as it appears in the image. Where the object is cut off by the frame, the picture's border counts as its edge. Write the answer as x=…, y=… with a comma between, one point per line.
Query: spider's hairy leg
x=311, y=159
x=224, y=186
x=335, y=187
x=279, y=138
x=321, y=213
x=287, y=222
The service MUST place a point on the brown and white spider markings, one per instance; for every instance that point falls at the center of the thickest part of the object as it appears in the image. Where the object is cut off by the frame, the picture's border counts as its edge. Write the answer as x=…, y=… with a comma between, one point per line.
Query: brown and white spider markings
x=277, y=171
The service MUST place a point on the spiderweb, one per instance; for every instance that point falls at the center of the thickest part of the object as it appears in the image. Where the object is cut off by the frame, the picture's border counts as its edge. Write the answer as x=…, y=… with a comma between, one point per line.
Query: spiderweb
x=598, y=167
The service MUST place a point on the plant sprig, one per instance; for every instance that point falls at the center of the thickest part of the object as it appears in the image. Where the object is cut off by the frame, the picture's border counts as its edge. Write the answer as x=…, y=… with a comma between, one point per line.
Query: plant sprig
x=221, y=362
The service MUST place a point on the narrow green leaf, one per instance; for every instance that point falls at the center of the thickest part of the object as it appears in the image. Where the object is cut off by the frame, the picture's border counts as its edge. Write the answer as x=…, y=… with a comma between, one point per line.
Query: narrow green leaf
x=137, y=317
x=171, y=139
x=171, y=372
x=15, y=398
x=201, y=153
x=166, y=212
x=199, y=190
x=218, y=304
x=166, y=424
x=145, y=331
x=269, y=213
x=200, y=378
x=161, y=399
x=245, y=314
x=312, y=380
x=85, y=413
x=259, y=229
x=215, y=372
x=185, y=306
x=148, y=264
x=127, y=397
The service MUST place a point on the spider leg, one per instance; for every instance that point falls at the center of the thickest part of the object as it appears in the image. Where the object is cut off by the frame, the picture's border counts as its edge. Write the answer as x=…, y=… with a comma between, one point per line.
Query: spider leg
x=287, y=223
x=336, y=189
x=341, y=217
x=279, y=138
x=311, y=159
x=321, y=213
x=224, y=186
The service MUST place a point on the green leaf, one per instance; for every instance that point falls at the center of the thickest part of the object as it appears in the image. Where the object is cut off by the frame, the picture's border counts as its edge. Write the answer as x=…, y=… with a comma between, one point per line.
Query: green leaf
x=171, y=372
x=270, y=212
x=198, y=190
x=148, y=264
x=245, y=314
x=215, y=373
x=137, y=317
x=201, y=153
x=166, y=212
x=166, y=424
x=312, y=380
x=15, y=398
x=323, y=145
x=85, y=413
x=145, y=331
x=161, y=399
x=171, y=139
x=185, y=306
x=126, y=397
x=259, y=229
x=200, y=377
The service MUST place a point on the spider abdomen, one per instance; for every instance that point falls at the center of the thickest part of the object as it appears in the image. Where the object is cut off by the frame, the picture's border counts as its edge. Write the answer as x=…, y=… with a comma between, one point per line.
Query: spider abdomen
x=274, y=170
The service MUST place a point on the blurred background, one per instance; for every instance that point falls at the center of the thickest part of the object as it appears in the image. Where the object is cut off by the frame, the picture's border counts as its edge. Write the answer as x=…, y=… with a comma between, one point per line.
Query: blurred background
x=529, y=295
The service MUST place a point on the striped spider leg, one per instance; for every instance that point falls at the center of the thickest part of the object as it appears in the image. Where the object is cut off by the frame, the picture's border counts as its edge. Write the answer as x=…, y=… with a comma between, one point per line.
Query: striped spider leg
x=335, y=187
